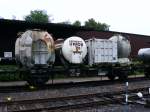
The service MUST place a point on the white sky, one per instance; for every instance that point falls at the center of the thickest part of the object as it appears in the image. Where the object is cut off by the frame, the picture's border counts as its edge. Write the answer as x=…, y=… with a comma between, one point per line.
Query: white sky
x=131, y=16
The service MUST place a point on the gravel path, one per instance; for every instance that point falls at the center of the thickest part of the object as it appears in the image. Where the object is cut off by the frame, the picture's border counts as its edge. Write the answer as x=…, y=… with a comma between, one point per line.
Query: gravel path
x=111, y=108
x=52, y=93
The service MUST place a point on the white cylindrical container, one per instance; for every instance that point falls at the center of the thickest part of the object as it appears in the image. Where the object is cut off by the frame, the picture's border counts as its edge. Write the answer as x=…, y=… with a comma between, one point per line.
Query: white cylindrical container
x=74, y=50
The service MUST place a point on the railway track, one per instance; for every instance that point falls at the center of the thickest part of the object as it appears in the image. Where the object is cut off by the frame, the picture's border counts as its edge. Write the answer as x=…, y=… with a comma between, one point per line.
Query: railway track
x=69, y=96
x=70, y=102
x=27, y=88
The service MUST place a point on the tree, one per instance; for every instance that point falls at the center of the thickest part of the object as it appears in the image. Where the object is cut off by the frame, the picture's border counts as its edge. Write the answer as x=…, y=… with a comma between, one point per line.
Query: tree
x=91, y=23
x=38, y=16
x=66, y=22
x=77, y=23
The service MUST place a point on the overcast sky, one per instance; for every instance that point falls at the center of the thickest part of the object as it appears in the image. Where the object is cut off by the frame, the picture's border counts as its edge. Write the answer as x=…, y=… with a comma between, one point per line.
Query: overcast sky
x=131, y=16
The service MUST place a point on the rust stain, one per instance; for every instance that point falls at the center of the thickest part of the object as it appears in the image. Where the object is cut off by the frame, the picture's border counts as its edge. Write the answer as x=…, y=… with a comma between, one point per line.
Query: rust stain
x=49, y=42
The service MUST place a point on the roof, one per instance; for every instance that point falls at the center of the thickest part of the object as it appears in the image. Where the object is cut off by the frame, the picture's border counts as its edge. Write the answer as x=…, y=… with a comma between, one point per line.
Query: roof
x=10, y=28
x=19, y=25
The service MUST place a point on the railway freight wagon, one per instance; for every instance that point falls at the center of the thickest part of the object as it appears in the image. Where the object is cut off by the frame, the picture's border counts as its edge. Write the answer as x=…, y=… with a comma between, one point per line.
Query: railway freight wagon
x=35, y=55
x=39, y=57
x=79, y=57
x=110, y=56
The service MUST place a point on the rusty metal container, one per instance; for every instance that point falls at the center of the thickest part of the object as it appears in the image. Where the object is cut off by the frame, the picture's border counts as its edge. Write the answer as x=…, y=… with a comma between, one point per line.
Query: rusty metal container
x=35, y=47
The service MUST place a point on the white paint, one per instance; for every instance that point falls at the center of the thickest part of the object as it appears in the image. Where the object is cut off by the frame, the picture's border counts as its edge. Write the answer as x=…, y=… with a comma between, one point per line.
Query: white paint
x=8, y=54
x=140, y=95
x=101, y=51
x=74, y=49
x=127, y=84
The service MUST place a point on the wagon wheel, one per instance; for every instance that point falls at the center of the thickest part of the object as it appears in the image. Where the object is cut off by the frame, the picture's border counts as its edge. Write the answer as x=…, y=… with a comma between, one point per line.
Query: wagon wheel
x=110, y=75
x=147, y=73
x=123, y=75
x=37, y=80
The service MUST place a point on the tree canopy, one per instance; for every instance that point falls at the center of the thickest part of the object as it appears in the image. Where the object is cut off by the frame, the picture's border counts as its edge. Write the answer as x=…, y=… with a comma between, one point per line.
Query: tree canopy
x=65, y=22
x=37, y=16
x=77, y=23
x=42, y=16
x=91, y=23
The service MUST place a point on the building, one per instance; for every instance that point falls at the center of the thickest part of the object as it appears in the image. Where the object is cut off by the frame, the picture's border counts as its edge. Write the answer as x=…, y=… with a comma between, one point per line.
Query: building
x=9, y=30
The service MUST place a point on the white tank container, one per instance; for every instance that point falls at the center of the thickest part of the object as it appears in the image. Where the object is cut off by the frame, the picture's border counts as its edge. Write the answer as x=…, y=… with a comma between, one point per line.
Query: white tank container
x=124, y=47
x=74, y=50
x=144, y=54
x=35, y=47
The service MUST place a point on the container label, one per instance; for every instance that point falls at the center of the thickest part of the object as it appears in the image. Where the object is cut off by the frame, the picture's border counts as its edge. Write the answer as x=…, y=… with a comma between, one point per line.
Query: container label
x=8, y=54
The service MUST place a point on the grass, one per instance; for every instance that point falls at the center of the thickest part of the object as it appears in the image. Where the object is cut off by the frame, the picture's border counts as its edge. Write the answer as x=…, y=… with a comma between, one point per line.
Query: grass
x=9, y=77
x=15, y=76
x=9, y=74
